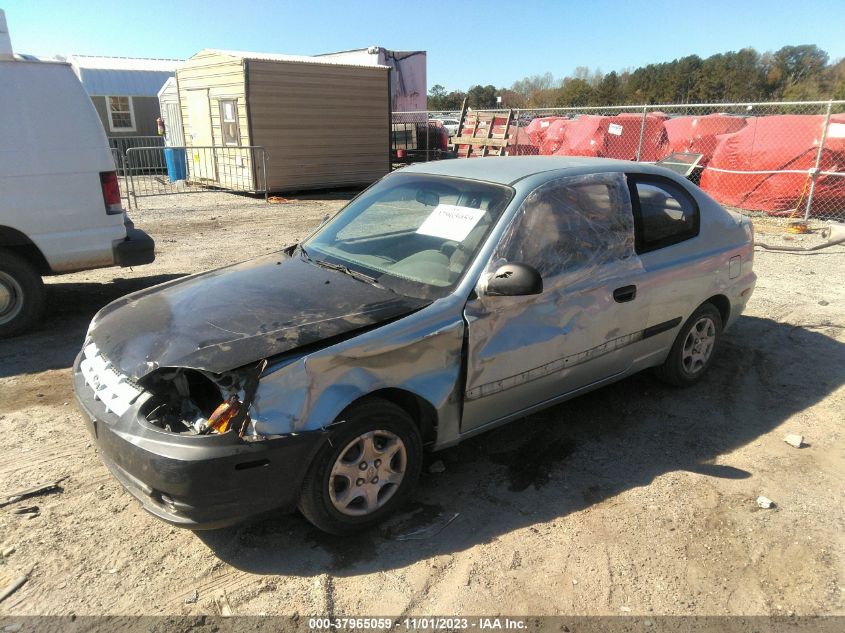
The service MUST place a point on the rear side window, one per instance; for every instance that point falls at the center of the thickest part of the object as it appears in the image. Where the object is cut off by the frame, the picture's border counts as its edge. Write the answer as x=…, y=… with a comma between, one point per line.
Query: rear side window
x=664, y=213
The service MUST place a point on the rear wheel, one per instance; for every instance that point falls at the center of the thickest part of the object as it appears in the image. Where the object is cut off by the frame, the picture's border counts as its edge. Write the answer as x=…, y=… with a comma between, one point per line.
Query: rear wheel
x=693, y=348
x=21, y=294
x=366, y=471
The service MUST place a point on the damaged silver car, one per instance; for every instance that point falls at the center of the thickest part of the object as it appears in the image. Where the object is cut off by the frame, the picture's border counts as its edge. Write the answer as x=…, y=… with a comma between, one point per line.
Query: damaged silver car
x=445, y=300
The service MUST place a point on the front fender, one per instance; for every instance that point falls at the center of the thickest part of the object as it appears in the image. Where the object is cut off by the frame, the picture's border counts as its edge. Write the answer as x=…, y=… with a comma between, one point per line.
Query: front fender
x=312, y=391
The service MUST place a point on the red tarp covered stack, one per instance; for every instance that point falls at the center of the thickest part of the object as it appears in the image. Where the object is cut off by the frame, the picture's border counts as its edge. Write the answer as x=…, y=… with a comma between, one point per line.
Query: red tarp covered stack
x=538, y=128
x=697, y=134
x=555, y=137
x=779, y=142
x=614, y=137
x=519, y=143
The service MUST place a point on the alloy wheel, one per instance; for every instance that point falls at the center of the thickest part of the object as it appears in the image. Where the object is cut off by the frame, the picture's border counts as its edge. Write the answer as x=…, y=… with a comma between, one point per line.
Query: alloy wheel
x=698, y=345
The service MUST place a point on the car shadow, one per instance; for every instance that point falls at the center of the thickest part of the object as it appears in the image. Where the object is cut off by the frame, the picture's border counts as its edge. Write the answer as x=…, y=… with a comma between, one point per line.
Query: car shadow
x=57, y=339
x=567, y=458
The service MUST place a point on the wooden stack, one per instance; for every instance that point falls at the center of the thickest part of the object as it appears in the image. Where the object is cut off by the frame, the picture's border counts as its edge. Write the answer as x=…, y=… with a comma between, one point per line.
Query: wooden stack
x=482, y=133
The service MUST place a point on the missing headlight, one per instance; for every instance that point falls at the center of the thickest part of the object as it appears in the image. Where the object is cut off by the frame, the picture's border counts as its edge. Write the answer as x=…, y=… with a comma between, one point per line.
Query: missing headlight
x=183, y=400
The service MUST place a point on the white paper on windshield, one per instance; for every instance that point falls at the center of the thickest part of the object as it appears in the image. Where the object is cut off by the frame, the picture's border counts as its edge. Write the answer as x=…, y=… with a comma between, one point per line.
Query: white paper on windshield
x=615, y=129
x=450, y=222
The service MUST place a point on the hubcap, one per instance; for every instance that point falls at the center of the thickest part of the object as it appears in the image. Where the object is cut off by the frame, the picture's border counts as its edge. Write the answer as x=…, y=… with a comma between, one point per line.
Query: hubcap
x=698, y=346
x=367, y=473
x=11, y=298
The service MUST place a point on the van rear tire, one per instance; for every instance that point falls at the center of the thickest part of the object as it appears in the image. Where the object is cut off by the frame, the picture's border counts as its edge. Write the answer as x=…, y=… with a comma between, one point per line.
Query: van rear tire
x=21, y=294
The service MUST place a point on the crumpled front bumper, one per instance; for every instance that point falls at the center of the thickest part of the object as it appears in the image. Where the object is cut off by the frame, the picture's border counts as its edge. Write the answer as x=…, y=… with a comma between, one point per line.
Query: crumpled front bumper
x=197, y=482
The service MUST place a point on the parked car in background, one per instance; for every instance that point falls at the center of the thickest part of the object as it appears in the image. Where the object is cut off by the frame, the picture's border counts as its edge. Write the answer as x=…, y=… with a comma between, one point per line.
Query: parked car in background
x=60, y=205
x=451, y=125
x=447, y=299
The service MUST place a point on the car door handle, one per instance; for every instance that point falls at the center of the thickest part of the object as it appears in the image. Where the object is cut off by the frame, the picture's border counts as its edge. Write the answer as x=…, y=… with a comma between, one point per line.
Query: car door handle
x=625, y=293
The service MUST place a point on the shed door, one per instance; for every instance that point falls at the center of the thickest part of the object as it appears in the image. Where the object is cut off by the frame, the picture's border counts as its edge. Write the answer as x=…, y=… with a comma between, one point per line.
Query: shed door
x=201, y=163
x=199, y=115
x=173, y=125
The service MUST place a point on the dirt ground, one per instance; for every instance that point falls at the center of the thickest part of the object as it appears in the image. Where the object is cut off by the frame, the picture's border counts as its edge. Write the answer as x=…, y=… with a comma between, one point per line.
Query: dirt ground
x=637, y=498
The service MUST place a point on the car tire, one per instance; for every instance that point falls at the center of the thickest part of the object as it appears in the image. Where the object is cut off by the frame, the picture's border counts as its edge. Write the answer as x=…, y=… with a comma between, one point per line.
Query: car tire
x=348, y=488
x=21, y=294
x=694, y=348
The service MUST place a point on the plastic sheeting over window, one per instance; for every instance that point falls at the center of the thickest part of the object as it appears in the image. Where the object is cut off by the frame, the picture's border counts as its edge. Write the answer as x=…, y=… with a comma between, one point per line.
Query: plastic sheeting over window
x=573, y=229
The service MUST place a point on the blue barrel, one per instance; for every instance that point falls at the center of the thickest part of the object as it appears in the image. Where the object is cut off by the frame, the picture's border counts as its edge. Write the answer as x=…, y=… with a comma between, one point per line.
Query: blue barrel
x=175, y=159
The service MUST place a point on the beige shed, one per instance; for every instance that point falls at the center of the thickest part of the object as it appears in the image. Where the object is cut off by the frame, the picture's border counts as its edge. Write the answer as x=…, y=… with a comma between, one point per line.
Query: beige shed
x=321, y=122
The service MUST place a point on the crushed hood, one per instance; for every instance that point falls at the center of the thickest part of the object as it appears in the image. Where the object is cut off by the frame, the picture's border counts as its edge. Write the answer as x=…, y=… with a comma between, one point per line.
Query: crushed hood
x=226, y=318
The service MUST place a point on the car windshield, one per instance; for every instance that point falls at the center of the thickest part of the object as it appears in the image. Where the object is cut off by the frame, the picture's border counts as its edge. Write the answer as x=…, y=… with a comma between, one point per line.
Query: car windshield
x=415, y=234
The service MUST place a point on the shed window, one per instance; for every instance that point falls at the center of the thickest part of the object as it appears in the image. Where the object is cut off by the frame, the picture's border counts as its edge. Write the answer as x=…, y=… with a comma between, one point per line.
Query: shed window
x=229, y=122
x=664, y=213
x=121, y=114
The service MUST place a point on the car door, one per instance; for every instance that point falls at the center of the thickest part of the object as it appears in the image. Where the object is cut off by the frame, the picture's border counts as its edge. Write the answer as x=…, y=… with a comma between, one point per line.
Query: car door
x=678, y=274
x=578, y=232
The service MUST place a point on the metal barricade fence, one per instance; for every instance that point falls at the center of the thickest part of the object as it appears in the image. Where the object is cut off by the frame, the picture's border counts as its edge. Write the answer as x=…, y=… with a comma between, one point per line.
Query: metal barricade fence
x=119, y=160
x=776, y=158
x=123, y=143
x=153, y=171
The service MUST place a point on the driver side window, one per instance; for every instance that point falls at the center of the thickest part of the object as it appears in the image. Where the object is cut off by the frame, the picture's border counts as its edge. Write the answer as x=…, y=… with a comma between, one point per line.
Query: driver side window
x=572, y=226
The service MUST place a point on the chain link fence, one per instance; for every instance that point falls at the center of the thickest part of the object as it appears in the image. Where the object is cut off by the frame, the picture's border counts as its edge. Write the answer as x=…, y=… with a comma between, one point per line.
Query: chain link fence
x=779, y=159
x=416, y=136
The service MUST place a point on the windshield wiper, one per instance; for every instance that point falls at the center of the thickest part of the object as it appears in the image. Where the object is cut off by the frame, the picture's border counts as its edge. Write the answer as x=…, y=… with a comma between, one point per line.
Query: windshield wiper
x=341, y=269
x=348, y=271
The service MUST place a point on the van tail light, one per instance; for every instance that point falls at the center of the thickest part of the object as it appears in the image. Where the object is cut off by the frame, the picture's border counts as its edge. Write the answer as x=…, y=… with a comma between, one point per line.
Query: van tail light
x=111, y=192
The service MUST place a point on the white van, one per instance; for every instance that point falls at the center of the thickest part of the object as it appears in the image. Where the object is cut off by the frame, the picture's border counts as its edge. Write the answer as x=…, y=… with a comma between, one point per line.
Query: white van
x=60, y=206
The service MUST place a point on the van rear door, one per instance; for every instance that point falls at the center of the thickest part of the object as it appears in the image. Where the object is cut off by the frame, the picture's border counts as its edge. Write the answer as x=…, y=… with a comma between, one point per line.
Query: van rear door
x=52, y=152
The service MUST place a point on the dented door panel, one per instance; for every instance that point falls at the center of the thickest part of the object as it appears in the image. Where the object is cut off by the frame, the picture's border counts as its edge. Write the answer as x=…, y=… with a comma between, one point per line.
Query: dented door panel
x=525, y=352
x=579, y=233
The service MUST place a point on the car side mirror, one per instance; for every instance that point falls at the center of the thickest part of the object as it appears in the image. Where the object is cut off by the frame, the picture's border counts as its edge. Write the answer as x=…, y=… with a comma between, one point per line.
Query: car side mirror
x=514, y=280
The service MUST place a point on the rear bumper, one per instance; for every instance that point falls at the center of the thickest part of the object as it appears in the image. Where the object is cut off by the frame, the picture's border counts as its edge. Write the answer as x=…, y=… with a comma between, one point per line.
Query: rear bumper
x=740, y=297
x=138, y=248
x=197, y=482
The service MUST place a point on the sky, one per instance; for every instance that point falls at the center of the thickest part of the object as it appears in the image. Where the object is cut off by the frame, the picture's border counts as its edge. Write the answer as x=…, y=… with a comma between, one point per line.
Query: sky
x=490, y=42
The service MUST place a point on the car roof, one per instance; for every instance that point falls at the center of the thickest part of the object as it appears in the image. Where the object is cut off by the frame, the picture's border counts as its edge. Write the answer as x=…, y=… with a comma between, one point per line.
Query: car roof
x=507, y=170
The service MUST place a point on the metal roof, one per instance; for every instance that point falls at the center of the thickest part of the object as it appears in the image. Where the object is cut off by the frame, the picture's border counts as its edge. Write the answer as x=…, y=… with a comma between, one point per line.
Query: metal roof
x=25, y=57
x=304, y=59
x=372, y=50
x=123, y=76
